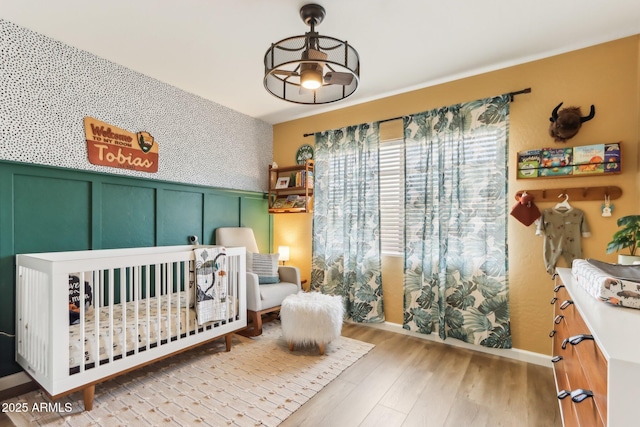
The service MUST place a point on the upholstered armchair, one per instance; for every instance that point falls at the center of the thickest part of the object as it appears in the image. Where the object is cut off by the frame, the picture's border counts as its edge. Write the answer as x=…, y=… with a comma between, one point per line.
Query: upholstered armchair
x=266, y=297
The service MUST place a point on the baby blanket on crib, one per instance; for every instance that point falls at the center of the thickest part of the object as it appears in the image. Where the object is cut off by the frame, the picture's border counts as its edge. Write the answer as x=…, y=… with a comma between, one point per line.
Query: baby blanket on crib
x=211, y=284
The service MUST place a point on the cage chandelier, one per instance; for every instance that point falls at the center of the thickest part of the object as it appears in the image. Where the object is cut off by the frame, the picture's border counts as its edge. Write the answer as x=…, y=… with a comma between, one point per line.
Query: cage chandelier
x=311, y=69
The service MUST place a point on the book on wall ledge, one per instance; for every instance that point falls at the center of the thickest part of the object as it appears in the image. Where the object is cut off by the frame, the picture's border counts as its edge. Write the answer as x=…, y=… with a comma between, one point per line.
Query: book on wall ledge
x=556, y=162
x=279, y=203
x=290, y=202
x=301, y=179
x=297, y=201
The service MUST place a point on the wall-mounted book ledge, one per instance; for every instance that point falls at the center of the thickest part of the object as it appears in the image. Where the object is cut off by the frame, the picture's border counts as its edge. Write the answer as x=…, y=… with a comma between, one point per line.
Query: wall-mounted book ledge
x=567, y=162
x=576, y=194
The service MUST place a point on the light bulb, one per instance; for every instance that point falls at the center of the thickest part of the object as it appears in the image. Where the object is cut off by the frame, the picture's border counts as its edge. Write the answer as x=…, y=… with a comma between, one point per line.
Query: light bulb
x=311, y=78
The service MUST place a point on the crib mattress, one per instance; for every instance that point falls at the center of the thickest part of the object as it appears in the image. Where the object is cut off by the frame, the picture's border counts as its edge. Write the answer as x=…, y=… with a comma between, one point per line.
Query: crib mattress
x=151, y=312
x=604, y=285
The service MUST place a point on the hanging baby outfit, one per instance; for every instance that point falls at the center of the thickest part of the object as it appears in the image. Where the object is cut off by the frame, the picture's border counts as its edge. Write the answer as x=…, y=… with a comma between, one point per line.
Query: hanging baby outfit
x=562, y=231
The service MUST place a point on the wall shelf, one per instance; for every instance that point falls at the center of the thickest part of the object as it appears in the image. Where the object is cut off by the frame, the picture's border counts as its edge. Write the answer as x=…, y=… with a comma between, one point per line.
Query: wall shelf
x=570, y=162
x=575, y=194
x=297, y=195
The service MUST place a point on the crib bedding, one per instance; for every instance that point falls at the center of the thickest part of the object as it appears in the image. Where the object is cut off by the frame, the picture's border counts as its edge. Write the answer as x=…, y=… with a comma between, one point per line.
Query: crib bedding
x=150, y=312
x=604, y=285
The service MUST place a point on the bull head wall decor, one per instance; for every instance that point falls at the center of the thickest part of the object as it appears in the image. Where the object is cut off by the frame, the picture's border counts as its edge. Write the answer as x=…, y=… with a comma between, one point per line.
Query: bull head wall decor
x=566, y=123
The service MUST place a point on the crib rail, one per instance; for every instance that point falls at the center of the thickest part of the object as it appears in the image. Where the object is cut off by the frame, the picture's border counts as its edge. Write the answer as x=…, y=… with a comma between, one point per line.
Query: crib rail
x=142, y=308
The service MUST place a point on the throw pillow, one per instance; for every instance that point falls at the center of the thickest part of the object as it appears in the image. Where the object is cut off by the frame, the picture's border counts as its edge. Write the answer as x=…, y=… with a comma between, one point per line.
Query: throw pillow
x=74, y=296
x=266, y=267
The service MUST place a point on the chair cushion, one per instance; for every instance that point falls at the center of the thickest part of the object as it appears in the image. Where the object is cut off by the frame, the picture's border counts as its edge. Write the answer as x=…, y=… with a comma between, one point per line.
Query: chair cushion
x=266, y=267
x=272, y=295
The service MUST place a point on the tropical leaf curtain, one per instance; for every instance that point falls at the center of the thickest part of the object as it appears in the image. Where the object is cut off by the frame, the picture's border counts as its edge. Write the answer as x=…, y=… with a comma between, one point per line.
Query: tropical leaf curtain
x=455, y=268
x=346, y=220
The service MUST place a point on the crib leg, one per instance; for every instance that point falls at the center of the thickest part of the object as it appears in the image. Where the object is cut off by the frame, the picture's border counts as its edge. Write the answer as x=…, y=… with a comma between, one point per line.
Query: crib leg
x=88, y=393
x=227, y=341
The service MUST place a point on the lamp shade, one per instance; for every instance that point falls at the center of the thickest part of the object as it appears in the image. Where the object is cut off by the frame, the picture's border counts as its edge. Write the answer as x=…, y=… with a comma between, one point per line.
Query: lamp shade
x=284, y=253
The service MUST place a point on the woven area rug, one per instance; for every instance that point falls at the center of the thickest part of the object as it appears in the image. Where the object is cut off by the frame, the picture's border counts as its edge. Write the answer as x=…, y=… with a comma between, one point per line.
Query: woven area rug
x=258, y=383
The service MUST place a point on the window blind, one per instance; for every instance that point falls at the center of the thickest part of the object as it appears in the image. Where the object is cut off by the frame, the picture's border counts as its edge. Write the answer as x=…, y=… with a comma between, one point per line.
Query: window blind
x=391, y=164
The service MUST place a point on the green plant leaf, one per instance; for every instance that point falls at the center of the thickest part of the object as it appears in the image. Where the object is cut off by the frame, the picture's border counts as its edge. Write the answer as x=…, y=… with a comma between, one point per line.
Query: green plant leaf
x=628, y=236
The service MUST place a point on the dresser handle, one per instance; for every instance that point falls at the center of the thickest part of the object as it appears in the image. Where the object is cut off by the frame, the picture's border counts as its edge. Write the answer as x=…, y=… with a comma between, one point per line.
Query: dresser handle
x=565, y=304
x=552, y=333
x=580, y=394
x=558, y=319
x=557, y=288
x=576, y=339
x=577, y=395
x=553, y=277
x=556, y=359
x=553, y=300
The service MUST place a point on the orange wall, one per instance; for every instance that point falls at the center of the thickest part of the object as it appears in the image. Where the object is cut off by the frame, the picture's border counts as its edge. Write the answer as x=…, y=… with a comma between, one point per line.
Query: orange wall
x=606, y=75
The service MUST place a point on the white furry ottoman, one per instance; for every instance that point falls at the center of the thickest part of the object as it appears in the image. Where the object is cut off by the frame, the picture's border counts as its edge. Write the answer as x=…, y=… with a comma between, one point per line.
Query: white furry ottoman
x=311, y=318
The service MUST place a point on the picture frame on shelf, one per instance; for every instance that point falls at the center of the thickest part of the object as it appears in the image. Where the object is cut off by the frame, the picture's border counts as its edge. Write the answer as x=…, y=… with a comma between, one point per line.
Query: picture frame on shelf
x=282, y=182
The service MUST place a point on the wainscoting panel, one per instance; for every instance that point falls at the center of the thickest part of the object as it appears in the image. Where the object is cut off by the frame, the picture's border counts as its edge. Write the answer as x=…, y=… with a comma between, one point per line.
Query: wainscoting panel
x=179, y=216
x=128, y=216
x=252, y=216
x=220, y=210
x=51, y=214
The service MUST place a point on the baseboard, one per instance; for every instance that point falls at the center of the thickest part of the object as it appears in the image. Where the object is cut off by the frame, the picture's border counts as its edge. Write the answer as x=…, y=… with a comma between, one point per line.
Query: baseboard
x=15, y=385
x=13, y=380
x=512, y=353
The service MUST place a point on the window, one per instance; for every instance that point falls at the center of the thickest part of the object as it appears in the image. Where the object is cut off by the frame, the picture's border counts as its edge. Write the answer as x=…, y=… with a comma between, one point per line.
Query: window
x=392, y=197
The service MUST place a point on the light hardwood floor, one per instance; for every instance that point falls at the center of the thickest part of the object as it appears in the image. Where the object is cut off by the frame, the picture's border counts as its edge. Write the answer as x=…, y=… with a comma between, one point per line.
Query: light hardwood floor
x=411, y=382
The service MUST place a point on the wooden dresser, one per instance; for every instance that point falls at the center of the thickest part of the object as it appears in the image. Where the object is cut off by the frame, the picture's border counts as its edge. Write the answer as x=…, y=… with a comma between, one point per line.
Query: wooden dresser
x=596, y=355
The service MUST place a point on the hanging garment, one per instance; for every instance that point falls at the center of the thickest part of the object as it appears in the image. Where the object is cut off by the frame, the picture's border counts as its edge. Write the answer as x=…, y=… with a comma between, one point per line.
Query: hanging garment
x=562, y=231
x=525, y=210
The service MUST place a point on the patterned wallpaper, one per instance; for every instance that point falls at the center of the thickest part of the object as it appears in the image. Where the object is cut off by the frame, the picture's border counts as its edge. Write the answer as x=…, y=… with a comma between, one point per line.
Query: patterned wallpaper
x=48, y=87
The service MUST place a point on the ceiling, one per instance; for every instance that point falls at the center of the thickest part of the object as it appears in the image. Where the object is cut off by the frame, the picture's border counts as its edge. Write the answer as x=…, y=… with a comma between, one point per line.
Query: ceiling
x=215, y=48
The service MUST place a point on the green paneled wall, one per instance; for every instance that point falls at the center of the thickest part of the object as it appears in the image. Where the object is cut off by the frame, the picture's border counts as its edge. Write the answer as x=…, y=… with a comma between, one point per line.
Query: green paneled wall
x=128, y=216
x=50, y=214
x=45, y=209
x=221, y=210
x=255, y=218
x=180, y=216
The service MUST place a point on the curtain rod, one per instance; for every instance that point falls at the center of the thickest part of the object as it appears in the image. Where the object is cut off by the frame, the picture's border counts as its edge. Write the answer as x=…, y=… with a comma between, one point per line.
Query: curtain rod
x=511, y=95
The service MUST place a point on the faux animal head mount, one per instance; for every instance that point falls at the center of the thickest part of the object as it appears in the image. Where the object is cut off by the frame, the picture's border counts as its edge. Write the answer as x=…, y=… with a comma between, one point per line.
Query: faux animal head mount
x=566, y=123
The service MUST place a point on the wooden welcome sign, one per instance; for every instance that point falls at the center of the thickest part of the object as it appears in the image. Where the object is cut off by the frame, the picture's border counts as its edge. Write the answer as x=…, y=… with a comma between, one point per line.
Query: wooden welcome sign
x=108, y=145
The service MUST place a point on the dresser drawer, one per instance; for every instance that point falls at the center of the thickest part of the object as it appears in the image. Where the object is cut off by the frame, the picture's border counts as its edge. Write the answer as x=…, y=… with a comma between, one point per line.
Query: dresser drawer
x=582, y=365
x=594, y=366
x=587, y=411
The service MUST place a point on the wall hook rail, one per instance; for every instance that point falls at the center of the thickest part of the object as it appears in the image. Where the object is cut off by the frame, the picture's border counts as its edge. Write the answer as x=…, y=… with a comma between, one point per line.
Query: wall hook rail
x=575, y=194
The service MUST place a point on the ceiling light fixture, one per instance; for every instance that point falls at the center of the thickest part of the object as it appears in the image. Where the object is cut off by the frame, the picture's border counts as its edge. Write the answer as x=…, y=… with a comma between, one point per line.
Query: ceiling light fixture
x=311, y=69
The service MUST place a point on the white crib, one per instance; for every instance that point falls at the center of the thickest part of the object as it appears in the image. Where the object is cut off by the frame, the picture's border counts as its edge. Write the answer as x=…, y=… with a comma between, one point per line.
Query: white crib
x=143, y=309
